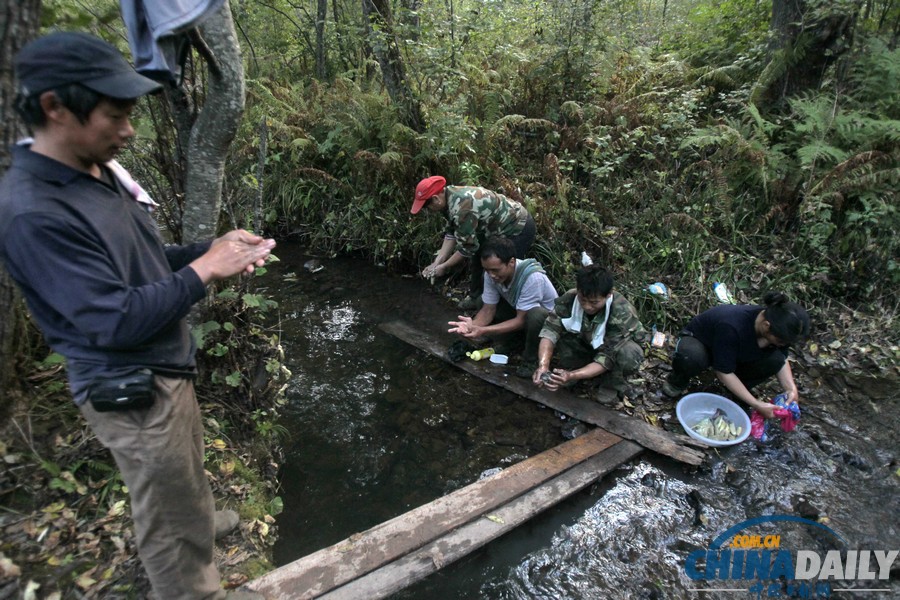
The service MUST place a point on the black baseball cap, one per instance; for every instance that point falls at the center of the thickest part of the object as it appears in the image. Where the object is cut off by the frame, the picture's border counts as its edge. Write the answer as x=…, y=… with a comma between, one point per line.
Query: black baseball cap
x=66, y=57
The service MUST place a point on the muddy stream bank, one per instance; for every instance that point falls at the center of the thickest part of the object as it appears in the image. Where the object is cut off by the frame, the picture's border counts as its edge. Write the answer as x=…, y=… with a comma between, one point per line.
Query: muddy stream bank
x=377, y=428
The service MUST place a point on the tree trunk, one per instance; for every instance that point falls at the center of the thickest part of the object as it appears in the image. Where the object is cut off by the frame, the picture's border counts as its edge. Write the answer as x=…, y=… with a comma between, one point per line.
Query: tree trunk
x=808, y=39
x=321, y=55
x=452, y=28
x=411, y=17
x=384, y=44
x=19, y=22
x=215, y=126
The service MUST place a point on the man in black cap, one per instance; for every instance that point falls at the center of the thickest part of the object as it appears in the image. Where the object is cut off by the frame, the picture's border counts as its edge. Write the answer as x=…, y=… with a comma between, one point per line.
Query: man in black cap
x=77, y=236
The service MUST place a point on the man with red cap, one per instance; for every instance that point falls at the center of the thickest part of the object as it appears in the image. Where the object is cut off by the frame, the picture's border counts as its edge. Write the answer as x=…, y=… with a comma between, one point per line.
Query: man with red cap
x=473, y=214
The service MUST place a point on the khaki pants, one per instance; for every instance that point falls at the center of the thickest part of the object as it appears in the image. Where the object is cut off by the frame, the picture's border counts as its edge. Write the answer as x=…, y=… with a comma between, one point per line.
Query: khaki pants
x=159, y=451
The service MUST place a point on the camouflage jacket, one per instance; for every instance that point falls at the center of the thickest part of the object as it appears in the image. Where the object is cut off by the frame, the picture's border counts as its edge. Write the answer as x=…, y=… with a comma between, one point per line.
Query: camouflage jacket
x=623, y=326
x=474, y=214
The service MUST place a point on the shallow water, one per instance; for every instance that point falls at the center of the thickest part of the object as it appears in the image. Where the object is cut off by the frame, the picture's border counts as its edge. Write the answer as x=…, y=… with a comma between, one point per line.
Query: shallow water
x=378, y=428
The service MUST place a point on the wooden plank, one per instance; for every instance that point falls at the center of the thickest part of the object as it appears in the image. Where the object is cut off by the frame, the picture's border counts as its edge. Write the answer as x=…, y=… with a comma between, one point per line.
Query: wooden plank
x=468, y=538
x=680, y=447
x=361, y=553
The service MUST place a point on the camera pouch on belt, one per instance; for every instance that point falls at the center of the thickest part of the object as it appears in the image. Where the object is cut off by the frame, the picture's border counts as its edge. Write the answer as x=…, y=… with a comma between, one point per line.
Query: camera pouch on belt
x=122, y=393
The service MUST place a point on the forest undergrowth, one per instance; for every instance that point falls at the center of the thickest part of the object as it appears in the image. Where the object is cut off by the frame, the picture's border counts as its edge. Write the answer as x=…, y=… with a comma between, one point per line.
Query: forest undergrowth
x=66, y=524
x=656, y=154
x=663, y=173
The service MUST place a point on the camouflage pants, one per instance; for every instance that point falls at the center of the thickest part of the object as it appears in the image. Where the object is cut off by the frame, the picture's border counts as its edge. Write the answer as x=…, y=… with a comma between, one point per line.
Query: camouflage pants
x=626, y=358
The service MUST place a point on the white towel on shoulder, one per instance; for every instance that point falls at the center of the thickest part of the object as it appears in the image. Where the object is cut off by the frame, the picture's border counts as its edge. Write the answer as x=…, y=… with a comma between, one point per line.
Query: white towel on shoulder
x=573, y=323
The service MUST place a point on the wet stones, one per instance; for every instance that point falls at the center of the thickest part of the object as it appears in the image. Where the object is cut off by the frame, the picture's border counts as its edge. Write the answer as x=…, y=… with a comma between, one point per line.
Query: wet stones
x=572, y=429
x=805, y=509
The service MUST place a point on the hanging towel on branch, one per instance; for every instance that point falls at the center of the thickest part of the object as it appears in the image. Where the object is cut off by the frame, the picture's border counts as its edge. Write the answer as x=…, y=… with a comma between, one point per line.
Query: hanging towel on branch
x=157, y=33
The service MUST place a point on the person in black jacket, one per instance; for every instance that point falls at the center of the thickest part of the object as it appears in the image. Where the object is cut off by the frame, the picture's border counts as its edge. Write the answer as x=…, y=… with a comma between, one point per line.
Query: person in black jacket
x=744, y=345
x=78, y=237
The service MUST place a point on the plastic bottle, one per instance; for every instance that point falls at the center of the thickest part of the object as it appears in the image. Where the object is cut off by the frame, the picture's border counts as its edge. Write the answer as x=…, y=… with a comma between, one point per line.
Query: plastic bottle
x=722, y=294
x=659, y=289
x=480, y=354
x=586, y=259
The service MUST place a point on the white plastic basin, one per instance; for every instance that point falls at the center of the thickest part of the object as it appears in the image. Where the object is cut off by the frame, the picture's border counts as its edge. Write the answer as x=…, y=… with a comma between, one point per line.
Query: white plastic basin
x=693, y=408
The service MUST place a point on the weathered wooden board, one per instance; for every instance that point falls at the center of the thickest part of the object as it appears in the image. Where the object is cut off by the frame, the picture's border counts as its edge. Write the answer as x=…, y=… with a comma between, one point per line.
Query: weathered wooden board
x=362, y=553
x=468, y=538
x=679, y=447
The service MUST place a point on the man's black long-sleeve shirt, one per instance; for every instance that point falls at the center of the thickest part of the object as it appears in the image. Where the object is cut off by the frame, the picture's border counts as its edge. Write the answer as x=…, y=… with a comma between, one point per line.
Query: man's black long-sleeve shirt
x=103, y=288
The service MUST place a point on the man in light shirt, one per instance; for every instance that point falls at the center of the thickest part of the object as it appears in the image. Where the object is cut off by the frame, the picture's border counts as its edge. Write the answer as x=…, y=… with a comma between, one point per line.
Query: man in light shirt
x=527, y=297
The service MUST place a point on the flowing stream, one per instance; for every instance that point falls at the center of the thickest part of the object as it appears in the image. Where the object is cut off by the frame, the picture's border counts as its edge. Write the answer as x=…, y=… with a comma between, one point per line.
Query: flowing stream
x=378, y=428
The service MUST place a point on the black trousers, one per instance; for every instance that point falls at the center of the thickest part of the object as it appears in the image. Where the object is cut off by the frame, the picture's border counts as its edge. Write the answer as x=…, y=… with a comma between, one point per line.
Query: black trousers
x=692, y=357
x=527, y=339
x=523, y=242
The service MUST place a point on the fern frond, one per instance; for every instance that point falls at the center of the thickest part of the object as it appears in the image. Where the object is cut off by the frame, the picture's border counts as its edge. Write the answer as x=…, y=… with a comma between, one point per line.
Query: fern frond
x=763, y=126
x=876, y=77
x=511, y=124
x=402, y=134
x=303, y=144
x=572, y=111
x=814, y=115
x=819, y=151
x=861, y=130
x=863, y=163
x=721, y=135
x=391, y=159
x=727, y=77
x=507, y=123
x=536, y=125
x=704, y=138
x=671, y=67
x=776, y=67
x=885, y=179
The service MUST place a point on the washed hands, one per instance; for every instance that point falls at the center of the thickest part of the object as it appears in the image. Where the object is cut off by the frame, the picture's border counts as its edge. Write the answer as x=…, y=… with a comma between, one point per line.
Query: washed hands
x=782, y=407
x=550, y=380
x=432, y=271
x=237, y=251
x=792, y=396
x=766, y=410
x=252, y=245
x=464, y=327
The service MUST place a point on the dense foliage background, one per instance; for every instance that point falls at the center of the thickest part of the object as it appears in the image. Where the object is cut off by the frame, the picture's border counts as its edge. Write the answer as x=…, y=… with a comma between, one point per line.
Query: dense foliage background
x=660, y=137
x=753, y=142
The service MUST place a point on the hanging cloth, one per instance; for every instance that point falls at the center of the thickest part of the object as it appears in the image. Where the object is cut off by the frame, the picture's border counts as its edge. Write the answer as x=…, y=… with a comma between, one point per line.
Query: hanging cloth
x=157, y=33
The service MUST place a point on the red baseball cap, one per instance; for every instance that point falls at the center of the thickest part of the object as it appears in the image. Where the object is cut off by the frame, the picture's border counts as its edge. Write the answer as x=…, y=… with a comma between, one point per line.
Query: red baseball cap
x=427, y=188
